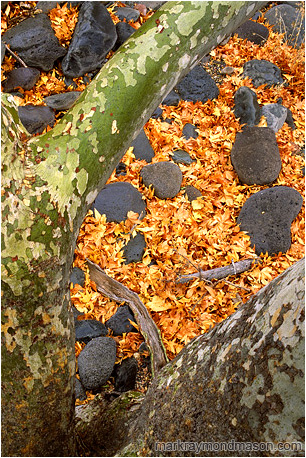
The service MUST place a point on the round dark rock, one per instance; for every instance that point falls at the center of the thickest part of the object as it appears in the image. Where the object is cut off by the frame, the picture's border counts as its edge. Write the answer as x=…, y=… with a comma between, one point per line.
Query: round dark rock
x=120, y=323
x=86, y=330
x=182, y=157
x=275, y=115
x=267, y=216
x=129, y=14
x=142, y=147
x=125, y=375
x=117, y=199
x=134, y=249
x=247, y=107
x=96, y=362
x=189, y=131
x=79, y=390
x=171, y=99
x=253, y=31
x=197, y=85
x=62, y=101
x=35, y=42
x=36, y=118
x=255, y=156
x=124, y=31
x=165, y=177
x=262, y=72
x=288, y=19
x=94, y=36
x=24, y=77
x=77, y=277
x=192, y=193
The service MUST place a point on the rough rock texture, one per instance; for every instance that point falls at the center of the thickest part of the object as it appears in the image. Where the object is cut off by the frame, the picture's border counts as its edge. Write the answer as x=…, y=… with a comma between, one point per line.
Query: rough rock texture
x=197, y=85
x=253, y=31
x=192, y=193
x=36, y=118
x=117, y=199
x=172, y=99
x=120, y=323
x=129, y=14
x=62, y=101
x=289, y=20
x=267, y=216
x=79, y=390
x=94, y=36
x=35, y=43
x=24, y=77
x=125, y=374
x=124, y=31
x=190, y=131
x=182, y=157
x=255, y=156
x=96, y=362
x=142, y=147
x=134, y=249
x=243, y=381
x=165, y=178
x=86, y=330
x=275, y=115
x=262, y=72
x=246, y=106
x=77, y=276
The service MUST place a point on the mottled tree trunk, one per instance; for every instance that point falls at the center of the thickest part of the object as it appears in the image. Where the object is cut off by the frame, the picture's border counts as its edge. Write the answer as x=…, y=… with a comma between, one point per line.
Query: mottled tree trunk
x=243, y=381
x=48, y=184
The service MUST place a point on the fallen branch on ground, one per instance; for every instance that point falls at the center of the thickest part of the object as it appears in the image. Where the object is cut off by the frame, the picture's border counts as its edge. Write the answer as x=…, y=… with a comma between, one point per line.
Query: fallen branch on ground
x=220, y=272
x=120, y=293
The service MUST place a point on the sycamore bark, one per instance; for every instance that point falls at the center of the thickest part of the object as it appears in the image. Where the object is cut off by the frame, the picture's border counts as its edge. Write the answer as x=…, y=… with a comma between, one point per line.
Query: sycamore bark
x=49, y=183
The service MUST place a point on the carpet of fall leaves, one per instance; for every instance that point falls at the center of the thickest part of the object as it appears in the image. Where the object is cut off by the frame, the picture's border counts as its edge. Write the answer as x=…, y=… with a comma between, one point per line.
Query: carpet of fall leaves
x=183, y=236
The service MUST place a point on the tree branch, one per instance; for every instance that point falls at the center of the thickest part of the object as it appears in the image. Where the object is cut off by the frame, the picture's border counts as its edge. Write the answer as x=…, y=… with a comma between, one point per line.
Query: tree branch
x=119, y=293
x=220, y=272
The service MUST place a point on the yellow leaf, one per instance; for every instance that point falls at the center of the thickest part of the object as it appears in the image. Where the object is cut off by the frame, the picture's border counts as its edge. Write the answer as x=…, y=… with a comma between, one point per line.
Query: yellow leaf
x=197, y=204
x=157, y=304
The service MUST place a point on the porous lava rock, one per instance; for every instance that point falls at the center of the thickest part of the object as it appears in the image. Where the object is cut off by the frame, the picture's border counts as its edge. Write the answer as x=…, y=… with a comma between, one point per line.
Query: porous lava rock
x=287, y=19
x=120, y=322
x=134, y=249
x=255, y=156
x=275, y=115
x=85, y=330
x=94, y=36
x=182, y=157
x=197, y=86
x=96, y=362
x=124, y=31
x=253, y=31
x=79, y=390
x=165, y=178
x=62, y=101
x=190, y=131
x=262, y=72
x=246, y=106
x=192, y=193
x=36, y=118
x=117, y=199
x=142, y=147
x=267, y=217
x=24, y=77
x=125, y=374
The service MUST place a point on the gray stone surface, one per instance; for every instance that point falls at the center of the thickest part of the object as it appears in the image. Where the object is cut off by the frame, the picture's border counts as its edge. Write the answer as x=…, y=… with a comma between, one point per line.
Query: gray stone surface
x=165, y=178
x=182, y=157
x=117, y=199
x=192, y=193
x=172, y=99
x=142, y=147
x=77, y=276
x=197, y=85
x=24, y=77
x=124, y=31
x=86, y=330
x=190, y=131
x=36, y=118
x=134, y=249
x=129, y=14
x=275, y=115
x=94, y=36
x=125, y=374
x=262, y=72
x=79, y=390
x=246, y=106
x=62, y=101
x=96, y=362
x=267, y=216
x=253, y=31
x=289, y=20
x=120, y=322
x=35, y=42
x=255, y=156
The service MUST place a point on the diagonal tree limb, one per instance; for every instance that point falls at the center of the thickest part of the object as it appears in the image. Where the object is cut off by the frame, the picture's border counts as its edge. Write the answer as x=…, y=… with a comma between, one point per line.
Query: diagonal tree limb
x=119, y=293
x=220, y=272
